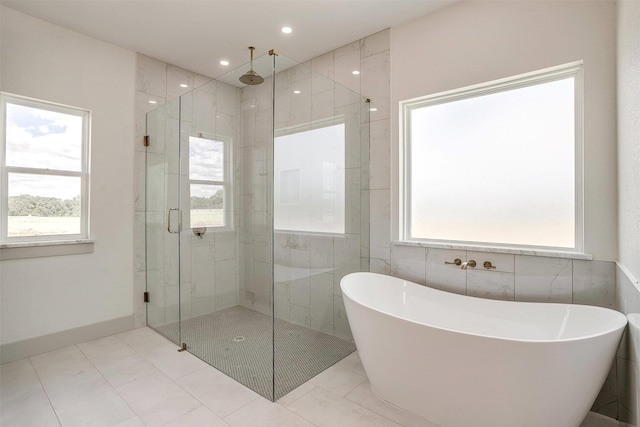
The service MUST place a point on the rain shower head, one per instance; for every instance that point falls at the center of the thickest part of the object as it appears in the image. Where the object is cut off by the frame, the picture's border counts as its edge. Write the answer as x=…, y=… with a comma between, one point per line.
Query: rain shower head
x=251, y=77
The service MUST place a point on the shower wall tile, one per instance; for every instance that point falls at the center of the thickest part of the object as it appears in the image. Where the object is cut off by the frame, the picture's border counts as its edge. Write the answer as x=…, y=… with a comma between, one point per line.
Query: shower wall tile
x=606, y=402
x=322, y=107
x=380, y=155
x=202, y=271
x=301, y=102
x=542, y=279
x=282, y=300
x=199, y=81
x=225, y=280
x=446, y=277
x=300, y=291
x=346, y=258
x=487, y=284
x=321, y=302
x=408, y=262
x=227, y=99
x=347, y=60
x=151, y=76
x=139, y=308
x=352, y=207
x=380, y=224
x=321, y=253
x=323, y=67
x=341, y=327
x=300, y=315
x=375, y=72
x=594, y=283
x=139, y=181
x=381, y=266
x=504, y=263
x=175, y=77
x=225, y=245
x=376, y=43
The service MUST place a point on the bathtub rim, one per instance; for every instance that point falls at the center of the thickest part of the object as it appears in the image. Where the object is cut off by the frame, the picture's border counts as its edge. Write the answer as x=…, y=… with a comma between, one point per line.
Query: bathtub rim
x=620, y=317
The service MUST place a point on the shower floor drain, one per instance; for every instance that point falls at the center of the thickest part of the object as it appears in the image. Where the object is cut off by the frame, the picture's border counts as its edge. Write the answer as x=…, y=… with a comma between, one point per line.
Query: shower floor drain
x=239, y=339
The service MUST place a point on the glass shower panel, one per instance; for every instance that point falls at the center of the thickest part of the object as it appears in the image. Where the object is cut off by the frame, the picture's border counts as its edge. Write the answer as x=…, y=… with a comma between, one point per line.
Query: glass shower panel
x=225, y=139
x=163, y=220
x=257, y=206
x=320, y=172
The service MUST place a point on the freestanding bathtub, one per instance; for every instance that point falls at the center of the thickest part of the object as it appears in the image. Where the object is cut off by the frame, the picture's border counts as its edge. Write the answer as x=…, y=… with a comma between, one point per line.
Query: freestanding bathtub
x=461, y=361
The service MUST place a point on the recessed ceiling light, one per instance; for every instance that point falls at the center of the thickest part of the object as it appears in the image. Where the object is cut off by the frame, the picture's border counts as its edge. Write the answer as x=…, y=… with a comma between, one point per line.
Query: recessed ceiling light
x=373, y=109
x=355, y=72
x=296, y=92
x=286, y=30
x=151, y=101
x=224, y=62
x=184, y=85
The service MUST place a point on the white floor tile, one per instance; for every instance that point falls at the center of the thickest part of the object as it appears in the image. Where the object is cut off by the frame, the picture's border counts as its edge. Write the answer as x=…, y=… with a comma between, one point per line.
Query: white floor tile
x=27, y=408
x=16, y=377
x=95, y=404
x=199, y=417
x=363, y=396
x=269, y=415
x=64, y=370
x=123, y=366
x=338, y=379
x=102, y=346
x=133, y=422
x=216, y=391
x=157, y=400
x=323, y=408
x=296, y=394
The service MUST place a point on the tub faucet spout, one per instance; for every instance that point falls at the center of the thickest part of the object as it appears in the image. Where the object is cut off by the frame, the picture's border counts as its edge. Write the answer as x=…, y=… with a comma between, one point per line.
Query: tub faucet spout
x=471, y=263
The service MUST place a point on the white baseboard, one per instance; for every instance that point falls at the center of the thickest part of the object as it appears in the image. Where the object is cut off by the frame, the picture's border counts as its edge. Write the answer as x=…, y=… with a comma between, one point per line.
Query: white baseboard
x=32, y=346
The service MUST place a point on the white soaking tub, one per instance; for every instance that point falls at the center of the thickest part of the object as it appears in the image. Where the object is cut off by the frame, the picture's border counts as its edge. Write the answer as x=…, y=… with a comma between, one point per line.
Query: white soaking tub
x=461, y=361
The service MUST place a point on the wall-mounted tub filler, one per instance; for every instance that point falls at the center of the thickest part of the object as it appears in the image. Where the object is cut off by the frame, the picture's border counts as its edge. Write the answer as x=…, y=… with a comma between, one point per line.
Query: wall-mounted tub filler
x=199, y=231
x=460, y=361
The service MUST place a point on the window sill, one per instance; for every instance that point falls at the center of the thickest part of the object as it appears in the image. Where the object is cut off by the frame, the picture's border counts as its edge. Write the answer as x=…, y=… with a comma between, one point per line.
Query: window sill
x=22, y=250
x=496, y=249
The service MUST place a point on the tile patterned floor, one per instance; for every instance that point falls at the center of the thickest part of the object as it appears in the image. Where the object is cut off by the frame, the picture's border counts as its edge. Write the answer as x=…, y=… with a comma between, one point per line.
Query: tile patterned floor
x=137, y=378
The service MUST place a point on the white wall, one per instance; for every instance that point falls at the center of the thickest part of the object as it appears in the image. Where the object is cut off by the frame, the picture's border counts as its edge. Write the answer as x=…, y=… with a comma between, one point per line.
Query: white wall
x=41, y=296
x=475, y=42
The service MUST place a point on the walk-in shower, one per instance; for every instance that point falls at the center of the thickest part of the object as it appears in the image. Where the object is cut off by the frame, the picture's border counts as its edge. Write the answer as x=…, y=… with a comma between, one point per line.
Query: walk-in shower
x=256, y=206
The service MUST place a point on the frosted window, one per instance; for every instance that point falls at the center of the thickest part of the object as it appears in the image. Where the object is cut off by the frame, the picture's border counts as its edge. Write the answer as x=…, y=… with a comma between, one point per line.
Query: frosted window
x=44, y=169
x=310, y=180
x=495, y=168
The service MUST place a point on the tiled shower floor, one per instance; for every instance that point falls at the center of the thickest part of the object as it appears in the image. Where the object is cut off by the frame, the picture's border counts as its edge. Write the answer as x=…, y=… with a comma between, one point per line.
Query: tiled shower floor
x=239, y=342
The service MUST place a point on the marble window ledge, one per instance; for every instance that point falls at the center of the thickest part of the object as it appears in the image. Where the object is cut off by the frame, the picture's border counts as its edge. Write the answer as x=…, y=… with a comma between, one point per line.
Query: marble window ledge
x=20, y=250
x=500, y=250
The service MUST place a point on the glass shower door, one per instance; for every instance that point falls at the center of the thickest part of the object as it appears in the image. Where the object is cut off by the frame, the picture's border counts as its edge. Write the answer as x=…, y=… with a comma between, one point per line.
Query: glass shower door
x=163, y=220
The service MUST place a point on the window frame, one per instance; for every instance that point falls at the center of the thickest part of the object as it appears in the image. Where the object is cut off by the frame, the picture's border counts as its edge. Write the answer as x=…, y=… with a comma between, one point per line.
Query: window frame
x=573, y=69
x=226, y=183
x=83, y=173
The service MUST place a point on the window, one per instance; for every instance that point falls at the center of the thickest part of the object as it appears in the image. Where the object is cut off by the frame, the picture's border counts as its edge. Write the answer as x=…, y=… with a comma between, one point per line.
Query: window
x=208, y=181
x=309, y=187
x=498, y=164
x=45, y=177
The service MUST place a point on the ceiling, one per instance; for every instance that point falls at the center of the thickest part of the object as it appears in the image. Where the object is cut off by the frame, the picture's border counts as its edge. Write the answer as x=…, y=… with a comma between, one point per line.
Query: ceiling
x=197, y=34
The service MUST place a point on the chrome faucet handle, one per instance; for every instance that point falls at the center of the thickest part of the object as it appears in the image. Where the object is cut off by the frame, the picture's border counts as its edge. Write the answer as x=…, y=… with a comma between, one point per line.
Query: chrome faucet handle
x=456, y=261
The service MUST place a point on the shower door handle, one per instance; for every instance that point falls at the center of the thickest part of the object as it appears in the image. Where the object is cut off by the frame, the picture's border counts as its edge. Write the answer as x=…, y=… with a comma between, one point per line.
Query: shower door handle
x=169, y=220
